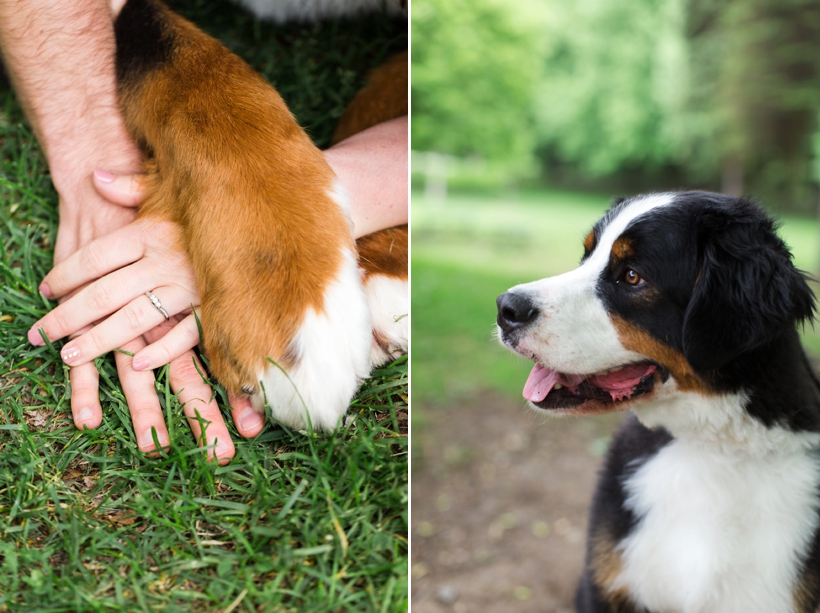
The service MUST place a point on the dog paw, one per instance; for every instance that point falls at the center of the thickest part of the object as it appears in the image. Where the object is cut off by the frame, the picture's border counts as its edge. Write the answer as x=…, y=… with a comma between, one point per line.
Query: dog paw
x=287, y=322
x=327, y=358
x=383, y=263
x=387, y=298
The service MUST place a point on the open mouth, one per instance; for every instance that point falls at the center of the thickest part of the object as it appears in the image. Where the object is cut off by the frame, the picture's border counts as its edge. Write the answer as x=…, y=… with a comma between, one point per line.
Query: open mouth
x=550, y=389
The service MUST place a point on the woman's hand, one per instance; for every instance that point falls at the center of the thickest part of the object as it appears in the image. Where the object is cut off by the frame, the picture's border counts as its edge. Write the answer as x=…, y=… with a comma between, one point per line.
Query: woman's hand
x=145, y=256
x=142, y=255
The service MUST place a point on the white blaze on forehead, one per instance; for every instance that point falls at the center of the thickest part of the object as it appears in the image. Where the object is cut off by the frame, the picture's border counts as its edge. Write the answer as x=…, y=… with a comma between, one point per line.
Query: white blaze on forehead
x=632, y=209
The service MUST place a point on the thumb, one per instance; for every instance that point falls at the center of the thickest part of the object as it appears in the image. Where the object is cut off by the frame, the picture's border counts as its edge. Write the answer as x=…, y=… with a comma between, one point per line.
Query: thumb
x=125, y=190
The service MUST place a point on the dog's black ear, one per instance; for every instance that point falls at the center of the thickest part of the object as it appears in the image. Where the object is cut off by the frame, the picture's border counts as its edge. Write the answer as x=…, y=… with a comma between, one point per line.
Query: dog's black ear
x=747, y=291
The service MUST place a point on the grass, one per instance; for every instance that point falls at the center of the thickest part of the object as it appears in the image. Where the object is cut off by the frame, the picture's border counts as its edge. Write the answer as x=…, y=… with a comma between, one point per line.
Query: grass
x=297, y=522
x=471, y=248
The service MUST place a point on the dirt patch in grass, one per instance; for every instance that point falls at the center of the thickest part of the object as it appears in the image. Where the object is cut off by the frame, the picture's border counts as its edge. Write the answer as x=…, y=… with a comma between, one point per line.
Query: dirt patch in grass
x=500, y=499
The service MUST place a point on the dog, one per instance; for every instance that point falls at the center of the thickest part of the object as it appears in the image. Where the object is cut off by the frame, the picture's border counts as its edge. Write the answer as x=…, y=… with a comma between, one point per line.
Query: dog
x=684, y=309
x=286, y=310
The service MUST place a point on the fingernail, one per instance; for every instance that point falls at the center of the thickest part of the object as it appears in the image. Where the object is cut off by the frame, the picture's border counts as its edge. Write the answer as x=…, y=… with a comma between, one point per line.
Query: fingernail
x=140, y=363
x=145, y=441
x=34, y=337
x=45, y=290
x=70, y=353
x=250, y=420
x=104, y=175
x=224, y=449
x=84, y=415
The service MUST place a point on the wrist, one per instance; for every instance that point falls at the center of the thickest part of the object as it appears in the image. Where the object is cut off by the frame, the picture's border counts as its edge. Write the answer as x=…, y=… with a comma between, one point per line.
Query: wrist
x=72, y=164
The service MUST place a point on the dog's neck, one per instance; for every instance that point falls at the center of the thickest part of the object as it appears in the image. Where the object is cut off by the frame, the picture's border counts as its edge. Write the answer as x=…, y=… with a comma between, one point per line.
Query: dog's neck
x=771, y=405
x=780, y=383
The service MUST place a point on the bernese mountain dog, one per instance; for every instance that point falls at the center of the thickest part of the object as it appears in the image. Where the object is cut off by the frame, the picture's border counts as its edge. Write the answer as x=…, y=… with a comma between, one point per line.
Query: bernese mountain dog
x=294, y=314
x=684, y=309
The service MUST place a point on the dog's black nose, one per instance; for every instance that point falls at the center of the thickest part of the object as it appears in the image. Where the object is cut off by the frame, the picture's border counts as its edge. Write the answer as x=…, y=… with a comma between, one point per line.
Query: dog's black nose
x=514, y=311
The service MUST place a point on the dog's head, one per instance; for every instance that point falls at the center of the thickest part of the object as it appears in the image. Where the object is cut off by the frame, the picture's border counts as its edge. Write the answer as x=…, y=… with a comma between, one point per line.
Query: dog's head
x=672, y=288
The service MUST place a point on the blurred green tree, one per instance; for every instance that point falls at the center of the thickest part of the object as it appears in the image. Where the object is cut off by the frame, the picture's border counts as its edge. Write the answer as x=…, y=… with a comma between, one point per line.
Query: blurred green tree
x=475, y=66
x=758, y=66
x=614, y=93
x=708, y=93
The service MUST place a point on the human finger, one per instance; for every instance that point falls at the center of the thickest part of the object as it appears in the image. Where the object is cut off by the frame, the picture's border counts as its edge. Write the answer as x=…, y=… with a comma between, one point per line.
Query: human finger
x=125, y=190
x=195, y=395
x=248, y=421
x=143, y=404
x=204, y=416
x=112, y=251
x=94, y=302
x=132, y=320
x=85, y=396
x=178, y=340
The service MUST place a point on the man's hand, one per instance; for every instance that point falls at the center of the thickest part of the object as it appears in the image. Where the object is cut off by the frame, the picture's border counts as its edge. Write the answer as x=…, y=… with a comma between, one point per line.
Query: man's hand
x=60, y=57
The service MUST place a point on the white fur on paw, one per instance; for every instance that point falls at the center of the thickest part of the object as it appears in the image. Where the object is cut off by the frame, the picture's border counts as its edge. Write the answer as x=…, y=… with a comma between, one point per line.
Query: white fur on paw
x=333, y=348
x=388, y=300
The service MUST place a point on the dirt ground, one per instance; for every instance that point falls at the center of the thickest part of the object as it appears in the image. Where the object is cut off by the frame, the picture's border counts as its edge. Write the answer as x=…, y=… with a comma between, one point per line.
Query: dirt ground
x=499, y=506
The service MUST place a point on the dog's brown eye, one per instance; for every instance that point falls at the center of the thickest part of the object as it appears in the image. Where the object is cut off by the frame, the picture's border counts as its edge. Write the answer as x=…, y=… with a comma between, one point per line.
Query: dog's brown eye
x=632, y=277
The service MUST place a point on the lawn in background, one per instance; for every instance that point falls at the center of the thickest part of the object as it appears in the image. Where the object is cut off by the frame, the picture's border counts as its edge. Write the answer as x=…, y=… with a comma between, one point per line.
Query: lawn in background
x=470, y=248
x=297, y=522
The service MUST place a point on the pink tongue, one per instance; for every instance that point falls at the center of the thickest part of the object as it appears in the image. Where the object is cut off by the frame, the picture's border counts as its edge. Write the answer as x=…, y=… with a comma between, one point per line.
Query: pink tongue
x=542, y=380
x=619, y=383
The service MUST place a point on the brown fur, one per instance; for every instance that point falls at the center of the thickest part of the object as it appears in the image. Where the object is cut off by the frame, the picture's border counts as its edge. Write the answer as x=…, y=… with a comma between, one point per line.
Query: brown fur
x=807, y=586
x=638, y=340
x=589, y=242
x=605, y=564
x=231, y=165
x=384, y=252
x=622, y=248
x=384, y=97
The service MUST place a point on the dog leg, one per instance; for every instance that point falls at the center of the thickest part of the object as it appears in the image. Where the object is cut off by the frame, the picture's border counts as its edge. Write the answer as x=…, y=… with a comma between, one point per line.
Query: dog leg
x=283, y=311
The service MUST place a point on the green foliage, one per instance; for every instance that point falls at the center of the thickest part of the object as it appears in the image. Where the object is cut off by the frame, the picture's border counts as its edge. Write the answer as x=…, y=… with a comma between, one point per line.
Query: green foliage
x=616, y=83
x=475, y=64
x=762, y=58
x=636, y=93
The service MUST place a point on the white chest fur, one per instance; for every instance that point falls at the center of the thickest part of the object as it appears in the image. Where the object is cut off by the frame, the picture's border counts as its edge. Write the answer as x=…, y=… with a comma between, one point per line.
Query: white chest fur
x=719, y=532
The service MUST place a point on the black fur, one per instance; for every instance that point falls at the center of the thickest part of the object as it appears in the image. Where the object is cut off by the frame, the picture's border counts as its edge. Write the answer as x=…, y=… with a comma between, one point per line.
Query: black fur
x=722, y=291
x=748, y=291
x=144, y=42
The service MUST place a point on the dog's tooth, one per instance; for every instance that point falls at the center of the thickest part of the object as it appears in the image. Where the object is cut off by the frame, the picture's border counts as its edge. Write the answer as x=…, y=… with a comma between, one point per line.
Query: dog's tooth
x=557, y=386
